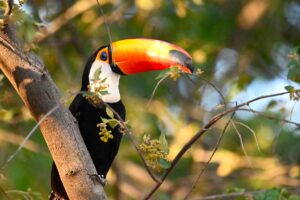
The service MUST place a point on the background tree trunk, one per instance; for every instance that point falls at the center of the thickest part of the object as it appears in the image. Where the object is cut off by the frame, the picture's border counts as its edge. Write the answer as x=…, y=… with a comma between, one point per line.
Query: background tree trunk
x=39, y=93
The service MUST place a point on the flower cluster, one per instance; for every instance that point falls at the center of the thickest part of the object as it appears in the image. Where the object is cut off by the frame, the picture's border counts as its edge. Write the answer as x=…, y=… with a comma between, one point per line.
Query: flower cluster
x=96, y=89
x=105, y=134
x=93, y=99
x=155, y=155
x=175, y=73
x=98, y=86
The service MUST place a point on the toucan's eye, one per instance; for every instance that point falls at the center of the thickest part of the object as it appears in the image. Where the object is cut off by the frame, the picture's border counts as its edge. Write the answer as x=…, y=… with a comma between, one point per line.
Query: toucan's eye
x=103, y=56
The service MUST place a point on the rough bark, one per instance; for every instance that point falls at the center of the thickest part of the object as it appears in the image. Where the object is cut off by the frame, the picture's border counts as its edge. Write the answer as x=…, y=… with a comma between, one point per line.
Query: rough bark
x=39, y=93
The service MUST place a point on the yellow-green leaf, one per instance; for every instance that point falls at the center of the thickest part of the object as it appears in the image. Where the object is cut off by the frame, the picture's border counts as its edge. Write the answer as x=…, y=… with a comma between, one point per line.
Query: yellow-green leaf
x=164, y=163
x=113, y=123
x=97, y=74
x=164, y=143
x=109, y=112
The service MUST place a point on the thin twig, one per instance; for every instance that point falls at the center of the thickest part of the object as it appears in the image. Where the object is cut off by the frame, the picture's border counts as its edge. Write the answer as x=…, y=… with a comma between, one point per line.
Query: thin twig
x=26, y=195
x=211, y=156
x=233, y=194
x=242, y=145
x=4, y=193
x=213, y=120
x=292, y=110
x=214, y=86
x=155, y=88
x=115, y=15
x=129, y=134
x=55, y=25
x=264, y=97
x=29, y=135
x=105, y=22
x=16, y=139
x=251, y=131
x=269, y=116
x=187, y=146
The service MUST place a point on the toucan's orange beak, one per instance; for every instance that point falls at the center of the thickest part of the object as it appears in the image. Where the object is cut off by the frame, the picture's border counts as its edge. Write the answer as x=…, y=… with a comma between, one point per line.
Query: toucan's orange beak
x=140, y=55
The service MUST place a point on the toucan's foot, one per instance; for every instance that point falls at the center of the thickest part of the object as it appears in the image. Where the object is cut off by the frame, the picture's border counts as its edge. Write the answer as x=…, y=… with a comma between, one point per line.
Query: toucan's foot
x=54, y=196
x=100, y=178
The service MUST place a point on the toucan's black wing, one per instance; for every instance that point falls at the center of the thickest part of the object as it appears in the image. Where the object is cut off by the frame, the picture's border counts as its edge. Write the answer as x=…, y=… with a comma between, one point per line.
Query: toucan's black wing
x=75, y=105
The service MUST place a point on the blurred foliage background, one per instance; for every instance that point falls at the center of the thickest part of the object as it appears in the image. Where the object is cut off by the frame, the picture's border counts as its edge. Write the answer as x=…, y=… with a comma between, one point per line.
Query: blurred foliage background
x=246, y=48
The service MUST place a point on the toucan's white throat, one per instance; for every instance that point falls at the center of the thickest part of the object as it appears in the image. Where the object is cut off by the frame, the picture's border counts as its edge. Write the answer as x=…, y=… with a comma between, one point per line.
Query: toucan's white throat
x=111, y=81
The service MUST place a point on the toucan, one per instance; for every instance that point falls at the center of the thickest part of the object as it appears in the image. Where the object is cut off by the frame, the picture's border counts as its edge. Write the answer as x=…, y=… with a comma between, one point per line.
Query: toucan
x=123, y=57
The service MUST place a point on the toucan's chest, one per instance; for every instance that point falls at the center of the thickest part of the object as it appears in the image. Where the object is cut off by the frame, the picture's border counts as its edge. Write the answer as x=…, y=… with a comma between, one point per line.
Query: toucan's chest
x=88, y=116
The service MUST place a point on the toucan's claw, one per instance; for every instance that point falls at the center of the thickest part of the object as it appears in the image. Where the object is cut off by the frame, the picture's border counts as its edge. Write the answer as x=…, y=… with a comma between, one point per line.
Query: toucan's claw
x=100, y=178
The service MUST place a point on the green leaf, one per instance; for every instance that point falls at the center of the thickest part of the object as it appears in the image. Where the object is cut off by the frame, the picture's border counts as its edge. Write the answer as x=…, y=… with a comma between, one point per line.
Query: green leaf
x=297, y=50
x=105, y=92
x=235, y=189
x=272, y=194
x=289, y=88
x=21, y=2
x=294, y=197
x=1, y=4
x=145, y=136
x=162, y=74
x=97, y=73
x=294, y=74
x=86, y=93
x=113, y=123
x=109, y=112
x=164, y=143
x=103, y=80
x=164, y=163
x=272, y=104
x=104, y=120
x=292, y=64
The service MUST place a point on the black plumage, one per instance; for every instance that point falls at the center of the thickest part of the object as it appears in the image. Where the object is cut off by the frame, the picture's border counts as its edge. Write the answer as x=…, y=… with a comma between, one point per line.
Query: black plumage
x=88, y=116
x=130, y=56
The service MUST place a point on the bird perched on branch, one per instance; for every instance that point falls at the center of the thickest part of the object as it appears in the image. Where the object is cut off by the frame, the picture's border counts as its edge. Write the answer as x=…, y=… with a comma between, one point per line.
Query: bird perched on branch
x=101, y=77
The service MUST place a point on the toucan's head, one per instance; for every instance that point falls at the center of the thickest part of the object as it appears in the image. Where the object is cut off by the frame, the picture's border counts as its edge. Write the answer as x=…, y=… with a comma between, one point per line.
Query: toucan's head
x=131, y=56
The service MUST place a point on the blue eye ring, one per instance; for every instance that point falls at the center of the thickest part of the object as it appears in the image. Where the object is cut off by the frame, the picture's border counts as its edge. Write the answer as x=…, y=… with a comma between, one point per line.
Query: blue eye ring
x=103, y=56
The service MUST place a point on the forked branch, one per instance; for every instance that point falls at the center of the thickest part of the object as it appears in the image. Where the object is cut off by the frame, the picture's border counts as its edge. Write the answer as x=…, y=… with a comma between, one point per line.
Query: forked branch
x=201, y=132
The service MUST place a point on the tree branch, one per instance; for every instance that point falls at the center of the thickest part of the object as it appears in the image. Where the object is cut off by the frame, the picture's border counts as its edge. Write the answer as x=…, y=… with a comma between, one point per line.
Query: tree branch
x=129, y=134
x=233, y=194
x=211, y=156
x=38, y=92
x=269, y=116
x=9, y=6
x=213, y=121
x=72, y=12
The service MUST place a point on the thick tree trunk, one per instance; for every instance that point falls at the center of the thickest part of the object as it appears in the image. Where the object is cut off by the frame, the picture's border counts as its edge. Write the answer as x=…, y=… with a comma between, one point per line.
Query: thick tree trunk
x=37, y=90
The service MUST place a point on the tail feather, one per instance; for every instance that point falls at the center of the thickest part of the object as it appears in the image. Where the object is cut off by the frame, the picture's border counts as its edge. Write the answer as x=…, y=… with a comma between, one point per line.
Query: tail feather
x=58, y=190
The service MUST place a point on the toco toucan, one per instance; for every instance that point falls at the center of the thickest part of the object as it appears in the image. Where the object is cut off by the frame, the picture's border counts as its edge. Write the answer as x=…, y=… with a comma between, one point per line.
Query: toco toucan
x=122, y=57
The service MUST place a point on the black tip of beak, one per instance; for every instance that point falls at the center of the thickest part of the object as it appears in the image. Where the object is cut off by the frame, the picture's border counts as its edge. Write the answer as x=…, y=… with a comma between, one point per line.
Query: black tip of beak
x=182, y=59
x=189, y=64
